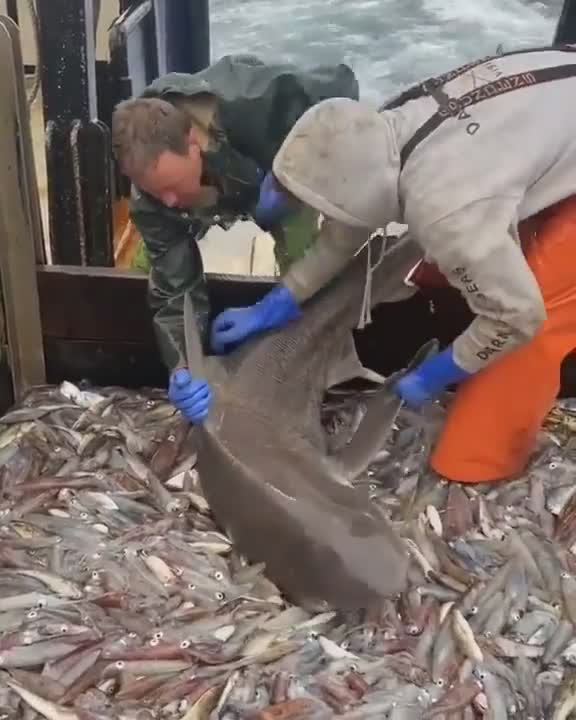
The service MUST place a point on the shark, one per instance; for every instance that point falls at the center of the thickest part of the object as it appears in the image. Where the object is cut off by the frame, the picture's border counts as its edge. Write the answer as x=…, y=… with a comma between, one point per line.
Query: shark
x=263, y=459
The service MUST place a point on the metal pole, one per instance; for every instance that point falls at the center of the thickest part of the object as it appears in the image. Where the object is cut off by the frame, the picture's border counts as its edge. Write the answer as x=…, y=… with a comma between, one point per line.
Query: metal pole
x=77, y=146
x=69, y=94
x=12, y=10
x=187, y=35
x=566, y=28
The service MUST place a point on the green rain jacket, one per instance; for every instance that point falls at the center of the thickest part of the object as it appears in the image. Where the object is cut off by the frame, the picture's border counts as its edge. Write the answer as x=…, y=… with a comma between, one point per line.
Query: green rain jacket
x=256, y=106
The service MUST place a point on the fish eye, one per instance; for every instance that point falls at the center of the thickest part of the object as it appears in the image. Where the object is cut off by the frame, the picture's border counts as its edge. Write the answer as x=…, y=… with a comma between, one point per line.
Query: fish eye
x=440, y=683
x=95, y=575
x=564, y=575
x=220, y=595
x=63, y=628
x=219, y=575
x=473, y=610
x=185, y=644
x=119, y=664
x=553, y=466
x=32, y=614
x=191, y=586
x=84, y=516
x=353, y=667
x=413, y=630
x=515, y=617
x=171, y=438
x=41, y=603
x=345, y=644
x=158, y=635
x=154, y=642
x=178, y=571
x=99, y=475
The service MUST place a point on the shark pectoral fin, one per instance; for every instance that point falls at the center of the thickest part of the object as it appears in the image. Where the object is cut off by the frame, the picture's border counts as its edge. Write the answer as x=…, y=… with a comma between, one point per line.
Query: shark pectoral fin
x=381, y=412
x=370, y=436
x=349, y=367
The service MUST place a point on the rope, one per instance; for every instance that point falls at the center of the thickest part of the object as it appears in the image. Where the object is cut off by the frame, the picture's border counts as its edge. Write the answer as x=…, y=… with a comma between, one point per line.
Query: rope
x=366, y=309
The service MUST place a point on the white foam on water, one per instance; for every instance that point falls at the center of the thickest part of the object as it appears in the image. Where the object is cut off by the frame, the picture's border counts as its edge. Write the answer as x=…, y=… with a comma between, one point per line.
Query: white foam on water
x=389, y=43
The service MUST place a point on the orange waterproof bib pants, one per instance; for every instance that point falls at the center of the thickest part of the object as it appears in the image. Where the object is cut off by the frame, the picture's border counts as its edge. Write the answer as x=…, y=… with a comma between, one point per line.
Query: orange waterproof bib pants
x=494, y=419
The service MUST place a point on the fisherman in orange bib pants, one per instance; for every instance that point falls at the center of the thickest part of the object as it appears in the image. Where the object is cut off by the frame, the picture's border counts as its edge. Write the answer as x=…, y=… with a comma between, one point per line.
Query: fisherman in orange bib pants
x=496, y=415
x=480, y=165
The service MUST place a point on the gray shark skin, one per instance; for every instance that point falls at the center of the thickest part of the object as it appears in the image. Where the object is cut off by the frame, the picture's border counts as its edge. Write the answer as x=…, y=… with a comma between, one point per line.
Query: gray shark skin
x=262, y=453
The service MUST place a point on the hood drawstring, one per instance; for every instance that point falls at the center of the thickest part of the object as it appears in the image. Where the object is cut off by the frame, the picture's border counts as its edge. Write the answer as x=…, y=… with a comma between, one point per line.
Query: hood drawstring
x=366, y=309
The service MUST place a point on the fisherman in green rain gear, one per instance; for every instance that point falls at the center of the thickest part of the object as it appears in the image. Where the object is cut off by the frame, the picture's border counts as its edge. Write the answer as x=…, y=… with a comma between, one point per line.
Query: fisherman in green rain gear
x=197, y=149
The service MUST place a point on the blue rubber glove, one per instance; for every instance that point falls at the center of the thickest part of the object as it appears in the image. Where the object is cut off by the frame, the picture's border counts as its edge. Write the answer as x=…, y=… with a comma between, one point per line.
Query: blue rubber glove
x=276, y=309
x=191, y=396
x=273, y=203
x=429, y=379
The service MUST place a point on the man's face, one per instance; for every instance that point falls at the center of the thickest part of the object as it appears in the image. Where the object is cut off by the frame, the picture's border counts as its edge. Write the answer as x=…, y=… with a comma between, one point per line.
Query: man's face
x=174, y=180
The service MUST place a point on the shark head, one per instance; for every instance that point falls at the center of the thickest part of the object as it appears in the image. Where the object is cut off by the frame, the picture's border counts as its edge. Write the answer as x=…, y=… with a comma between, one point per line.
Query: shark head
x=263, y=459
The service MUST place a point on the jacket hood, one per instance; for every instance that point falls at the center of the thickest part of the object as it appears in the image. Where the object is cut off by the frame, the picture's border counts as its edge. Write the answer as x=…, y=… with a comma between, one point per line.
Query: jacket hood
x=342, y=159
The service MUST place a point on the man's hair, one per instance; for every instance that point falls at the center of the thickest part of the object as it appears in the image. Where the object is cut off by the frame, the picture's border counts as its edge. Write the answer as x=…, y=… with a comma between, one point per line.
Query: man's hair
x=144, y=128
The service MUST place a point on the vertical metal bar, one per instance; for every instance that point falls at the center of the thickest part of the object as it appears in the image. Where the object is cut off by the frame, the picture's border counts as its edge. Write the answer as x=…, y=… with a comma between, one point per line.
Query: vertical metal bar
x=566, y=28
x=17, y=255
x=187, y=35
x=26, y=145
x=69, y=94
x=12, y=10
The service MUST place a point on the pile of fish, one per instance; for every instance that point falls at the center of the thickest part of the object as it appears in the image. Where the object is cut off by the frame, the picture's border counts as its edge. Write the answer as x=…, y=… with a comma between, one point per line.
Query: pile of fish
x=121, y=600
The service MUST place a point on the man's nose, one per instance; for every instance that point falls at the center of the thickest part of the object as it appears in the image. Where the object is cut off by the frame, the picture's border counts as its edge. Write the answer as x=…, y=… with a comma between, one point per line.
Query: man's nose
x=169, y=199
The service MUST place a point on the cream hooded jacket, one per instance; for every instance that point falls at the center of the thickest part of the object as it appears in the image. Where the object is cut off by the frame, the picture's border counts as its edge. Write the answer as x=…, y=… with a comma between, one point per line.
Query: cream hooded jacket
x=461, y=190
